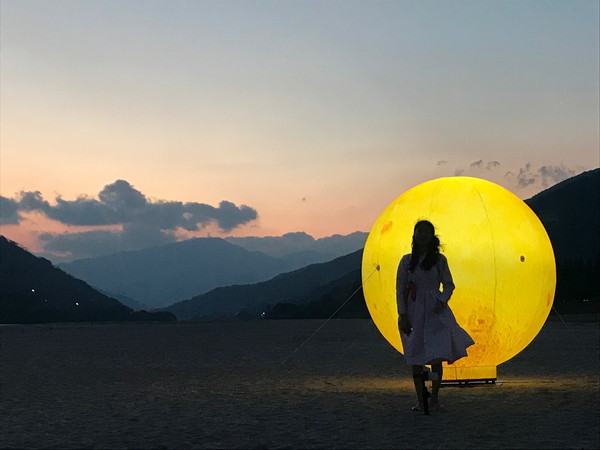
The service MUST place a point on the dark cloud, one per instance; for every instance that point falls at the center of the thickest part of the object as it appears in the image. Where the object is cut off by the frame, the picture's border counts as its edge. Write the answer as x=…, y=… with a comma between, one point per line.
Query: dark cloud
x=555, y=174
x=122, y=196
x=85, y=244
x=228, y=215
x=526, y=177
x=84, y=211
x=481, y=164
x=143, y=222
x=118, y=203
x=103, y=242
x=30, y=201
x=546, y=176
x=474, y=167
x=9, y=211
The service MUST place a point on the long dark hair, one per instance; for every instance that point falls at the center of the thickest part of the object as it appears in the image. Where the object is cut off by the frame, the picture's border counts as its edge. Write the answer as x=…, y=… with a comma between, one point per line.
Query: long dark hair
x=433, y=250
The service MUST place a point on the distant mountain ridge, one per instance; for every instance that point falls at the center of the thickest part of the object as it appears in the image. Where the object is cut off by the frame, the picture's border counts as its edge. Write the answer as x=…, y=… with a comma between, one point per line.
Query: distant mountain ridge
x=295, y=243
x=159, y=276
x=162, y=275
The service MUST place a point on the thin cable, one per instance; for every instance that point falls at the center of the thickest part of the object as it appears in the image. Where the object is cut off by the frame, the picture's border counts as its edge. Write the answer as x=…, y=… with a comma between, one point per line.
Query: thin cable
x=328, y=319
x=571, y=333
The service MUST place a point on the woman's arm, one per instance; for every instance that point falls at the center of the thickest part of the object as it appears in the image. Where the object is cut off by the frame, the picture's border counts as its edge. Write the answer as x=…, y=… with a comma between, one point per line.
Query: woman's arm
x=446, y=280
x=401, y=280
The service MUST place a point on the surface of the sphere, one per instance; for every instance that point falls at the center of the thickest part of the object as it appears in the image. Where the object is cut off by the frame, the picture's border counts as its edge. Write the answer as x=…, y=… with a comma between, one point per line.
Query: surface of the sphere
x=499, y=254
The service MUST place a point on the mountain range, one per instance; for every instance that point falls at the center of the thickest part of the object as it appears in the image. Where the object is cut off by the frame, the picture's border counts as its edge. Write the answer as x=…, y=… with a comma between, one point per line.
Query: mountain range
x=300, y=243
x=159, y=276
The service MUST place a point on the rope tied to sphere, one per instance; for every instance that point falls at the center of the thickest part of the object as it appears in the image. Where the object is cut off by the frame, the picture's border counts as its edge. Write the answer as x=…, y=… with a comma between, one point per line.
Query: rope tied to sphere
x=377, y=269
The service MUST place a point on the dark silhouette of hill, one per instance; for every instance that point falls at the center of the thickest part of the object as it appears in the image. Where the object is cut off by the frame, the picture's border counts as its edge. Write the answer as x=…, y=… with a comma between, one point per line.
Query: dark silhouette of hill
x=32, y=290
x=163, y=275
x=341, y=299
x=293, y=287
x=568, y=210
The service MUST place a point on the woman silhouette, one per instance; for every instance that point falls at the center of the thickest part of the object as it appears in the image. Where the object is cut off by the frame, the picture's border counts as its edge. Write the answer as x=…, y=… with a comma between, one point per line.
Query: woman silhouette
x=428, y=329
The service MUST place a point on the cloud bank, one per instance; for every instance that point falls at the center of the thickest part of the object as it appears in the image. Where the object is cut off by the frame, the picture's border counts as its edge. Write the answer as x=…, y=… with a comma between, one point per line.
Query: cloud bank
x=527, y=176
x=544, y=175
x=141, y=222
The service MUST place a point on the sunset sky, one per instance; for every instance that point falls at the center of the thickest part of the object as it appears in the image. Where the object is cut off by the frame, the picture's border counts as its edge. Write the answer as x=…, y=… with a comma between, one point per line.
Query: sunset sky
x=127, y=123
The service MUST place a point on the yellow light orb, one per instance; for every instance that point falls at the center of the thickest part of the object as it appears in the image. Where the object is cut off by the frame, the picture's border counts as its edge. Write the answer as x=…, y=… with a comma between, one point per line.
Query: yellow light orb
x=500, y=257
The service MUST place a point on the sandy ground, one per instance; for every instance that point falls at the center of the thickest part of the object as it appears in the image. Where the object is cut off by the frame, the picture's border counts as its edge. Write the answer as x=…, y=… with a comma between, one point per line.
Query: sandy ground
x=225, y=385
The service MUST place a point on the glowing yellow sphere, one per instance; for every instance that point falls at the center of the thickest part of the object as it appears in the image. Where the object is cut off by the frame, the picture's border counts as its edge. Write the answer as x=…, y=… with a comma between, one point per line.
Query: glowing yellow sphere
x=500, y=257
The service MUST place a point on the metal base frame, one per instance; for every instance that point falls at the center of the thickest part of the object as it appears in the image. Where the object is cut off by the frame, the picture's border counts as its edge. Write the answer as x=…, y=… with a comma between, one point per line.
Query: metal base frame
x=470, y=382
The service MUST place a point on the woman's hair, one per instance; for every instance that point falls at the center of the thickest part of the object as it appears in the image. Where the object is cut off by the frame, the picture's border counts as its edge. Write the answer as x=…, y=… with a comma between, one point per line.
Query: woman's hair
x=433, y=250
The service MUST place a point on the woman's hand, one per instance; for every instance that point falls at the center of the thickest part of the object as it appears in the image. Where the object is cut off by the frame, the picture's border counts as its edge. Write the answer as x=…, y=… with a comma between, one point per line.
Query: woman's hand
x=404, y=324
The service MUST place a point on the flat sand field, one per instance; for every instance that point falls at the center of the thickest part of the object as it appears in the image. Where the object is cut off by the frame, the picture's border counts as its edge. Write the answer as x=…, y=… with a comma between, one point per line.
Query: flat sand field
x=248, y=385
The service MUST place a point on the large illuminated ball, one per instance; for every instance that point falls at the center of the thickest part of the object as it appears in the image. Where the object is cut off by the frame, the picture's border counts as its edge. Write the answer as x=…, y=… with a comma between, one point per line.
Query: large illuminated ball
x=500, y=257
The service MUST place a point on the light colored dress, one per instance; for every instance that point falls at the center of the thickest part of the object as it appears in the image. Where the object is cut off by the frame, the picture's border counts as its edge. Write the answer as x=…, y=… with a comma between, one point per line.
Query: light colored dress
x=435, y=337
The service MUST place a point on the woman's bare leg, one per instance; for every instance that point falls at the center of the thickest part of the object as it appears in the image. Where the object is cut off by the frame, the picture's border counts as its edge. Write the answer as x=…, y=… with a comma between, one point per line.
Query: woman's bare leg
x=416, y=372
x=435, y=385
